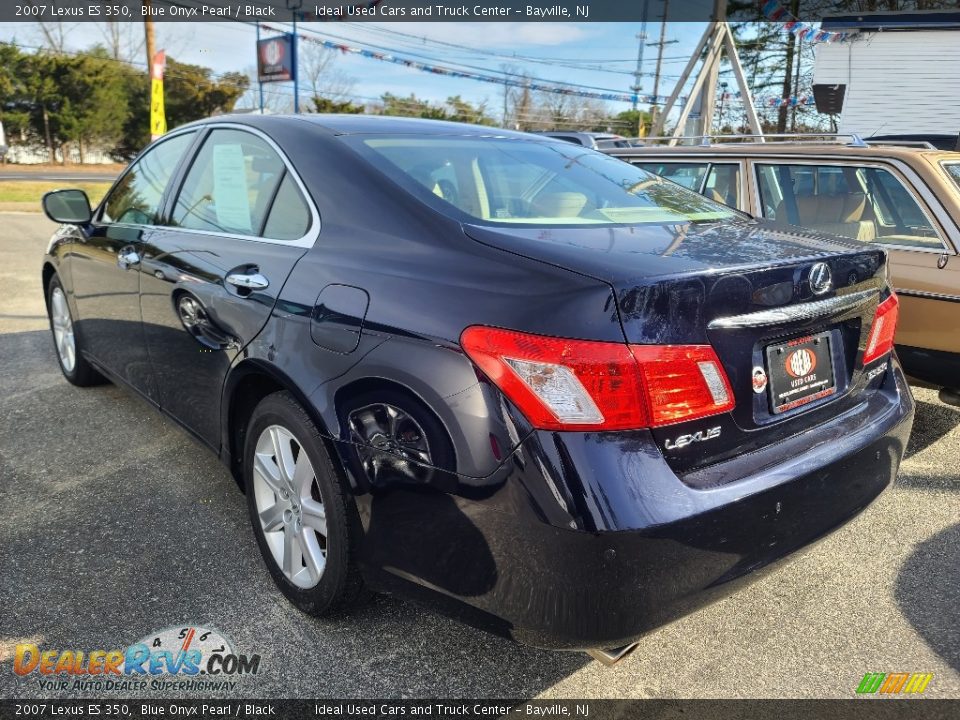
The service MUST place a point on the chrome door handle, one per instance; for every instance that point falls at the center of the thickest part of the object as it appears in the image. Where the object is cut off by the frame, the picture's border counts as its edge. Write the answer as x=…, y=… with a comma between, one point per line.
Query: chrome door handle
x=126, y=258
x=254, y=281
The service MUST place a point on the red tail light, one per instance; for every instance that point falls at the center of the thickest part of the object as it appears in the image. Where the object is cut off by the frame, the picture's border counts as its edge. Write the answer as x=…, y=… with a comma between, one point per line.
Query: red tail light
x=562, y=384
x=880, y=340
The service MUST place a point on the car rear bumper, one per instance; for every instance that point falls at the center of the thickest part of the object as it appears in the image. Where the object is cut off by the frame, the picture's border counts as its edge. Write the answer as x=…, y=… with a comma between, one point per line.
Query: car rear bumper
x=590, y=541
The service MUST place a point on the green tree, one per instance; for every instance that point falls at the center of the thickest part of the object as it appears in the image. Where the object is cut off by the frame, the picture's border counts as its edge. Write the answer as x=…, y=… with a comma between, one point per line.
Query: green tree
x=98, y=101
x=455, y=108
x=14, y=100
x=410, y=107
x=326, y=105
x=190, y=92
x=460, y=110
x=626, y=123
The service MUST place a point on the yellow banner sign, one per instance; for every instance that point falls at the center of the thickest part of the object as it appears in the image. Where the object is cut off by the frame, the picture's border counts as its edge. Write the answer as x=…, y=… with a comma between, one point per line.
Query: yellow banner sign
x=158, y=118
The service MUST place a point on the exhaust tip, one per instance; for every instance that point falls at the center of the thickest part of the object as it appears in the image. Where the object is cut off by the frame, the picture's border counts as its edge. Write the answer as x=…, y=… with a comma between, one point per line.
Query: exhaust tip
x=949, y=396
x=613, y=656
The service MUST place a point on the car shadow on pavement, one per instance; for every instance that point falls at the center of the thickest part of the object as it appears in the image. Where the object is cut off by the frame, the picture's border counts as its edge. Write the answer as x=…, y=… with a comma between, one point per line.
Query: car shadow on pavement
x=930, y=423
x=926, y=593
x=119, y=525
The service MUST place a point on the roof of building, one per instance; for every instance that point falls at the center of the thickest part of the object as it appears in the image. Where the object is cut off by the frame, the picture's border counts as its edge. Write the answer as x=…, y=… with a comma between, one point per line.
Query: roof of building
x=881, y=21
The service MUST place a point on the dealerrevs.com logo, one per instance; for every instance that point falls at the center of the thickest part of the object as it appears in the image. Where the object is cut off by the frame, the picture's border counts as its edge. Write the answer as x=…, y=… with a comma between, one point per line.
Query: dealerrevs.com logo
x=177, y=658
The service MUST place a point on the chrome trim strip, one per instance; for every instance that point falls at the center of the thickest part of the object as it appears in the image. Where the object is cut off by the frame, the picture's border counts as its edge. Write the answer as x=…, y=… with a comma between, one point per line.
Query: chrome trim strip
x=793, y=313
x=928, y=295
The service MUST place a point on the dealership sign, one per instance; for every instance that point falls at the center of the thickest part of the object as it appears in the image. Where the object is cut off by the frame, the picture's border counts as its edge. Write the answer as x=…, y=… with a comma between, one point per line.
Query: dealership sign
x=275, y=59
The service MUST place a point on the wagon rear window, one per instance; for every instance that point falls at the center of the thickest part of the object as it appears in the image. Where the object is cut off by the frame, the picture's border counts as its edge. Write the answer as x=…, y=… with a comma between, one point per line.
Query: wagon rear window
x=501, y=180
x=953, y=170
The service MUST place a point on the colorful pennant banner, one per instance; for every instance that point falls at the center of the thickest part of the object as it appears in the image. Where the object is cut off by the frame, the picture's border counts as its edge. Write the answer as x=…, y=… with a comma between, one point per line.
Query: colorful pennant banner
x=763, y=101
x=467, y=75
x=773, y=10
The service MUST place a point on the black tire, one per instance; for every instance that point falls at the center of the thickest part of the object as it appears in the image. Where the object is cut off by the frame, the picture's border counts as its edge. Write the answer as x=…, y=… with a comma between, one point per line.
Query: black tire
x=83, y=374
x=340, y=587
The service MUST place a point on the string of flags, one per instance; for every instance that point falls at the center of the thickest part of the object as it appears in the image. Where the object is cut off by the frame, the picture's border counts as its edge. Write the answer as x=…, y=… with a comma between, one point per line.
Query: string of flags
x=762, y=101
x=467, y=75
x=773, y=10
x=772, y=100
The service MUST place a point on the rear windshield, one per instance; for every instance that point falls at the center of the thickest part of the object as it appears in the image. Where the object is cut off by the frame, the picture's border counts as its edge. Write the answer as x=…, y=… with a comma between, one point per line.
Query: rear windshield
x=499, y=180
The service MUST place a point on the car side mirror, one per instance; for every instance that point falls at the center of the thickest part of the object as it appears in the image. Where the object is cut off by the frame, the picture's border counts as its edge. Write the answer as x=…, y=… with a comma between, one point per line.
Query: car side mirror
x=68, y=206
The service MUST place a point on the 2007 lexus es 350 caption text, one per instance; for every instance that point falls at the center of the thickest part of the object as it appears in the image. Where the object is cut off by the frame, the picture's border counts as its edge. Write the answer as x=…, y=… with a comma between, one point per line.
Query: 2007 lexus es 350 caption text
x=525, y=383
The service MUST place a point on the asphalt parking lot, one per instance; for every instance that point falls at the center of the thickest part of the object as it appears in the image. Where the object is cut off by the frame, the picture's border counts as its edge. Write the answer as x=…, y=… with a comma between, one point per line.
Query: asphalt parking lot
x=116, y=524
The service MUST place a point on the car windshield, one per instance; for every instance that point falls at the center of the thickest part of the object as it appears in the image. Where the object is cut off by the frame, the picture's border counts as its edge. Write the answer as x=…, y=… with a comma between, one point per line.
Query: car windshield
x=501, y=180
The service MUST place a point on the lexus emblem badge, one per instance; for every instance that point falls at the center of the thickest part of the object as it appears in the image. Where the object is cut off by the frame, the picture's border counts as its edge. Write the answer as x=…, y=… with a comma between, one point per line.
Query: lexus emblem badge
x=759, y=380
x=820, y=279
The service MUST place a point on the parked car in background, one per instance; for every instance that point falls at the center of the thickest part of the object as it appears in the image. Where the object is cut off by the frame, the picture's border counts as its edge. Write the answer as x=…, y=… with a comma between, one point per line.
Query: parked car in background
x=594, y=140
x=550, y=393
x=903, y=197
x=936, y=141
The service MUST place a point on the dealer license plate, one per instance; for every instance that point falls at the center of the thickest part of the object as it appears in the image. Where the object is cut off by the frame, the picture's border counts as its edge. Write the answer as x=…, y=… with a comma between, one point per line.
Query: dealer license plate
x=800, y=371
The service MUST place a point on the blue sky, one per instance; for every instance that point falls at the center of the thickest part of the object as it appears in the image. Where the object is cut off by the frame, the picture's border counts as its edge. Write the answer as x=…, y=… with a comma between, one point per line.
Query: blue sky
x=596, y=54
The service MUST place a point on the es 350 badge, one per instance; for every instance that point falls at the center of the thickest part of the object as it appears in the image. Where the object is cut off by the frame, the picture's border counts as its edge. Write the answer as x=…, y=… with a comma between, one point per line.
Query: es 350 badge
x=176, y=658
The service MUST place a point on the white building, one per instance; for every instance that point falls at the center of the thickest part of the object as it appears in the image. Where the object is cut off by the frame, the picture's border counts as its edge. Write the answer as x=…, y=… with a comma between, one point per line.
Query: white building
x=901, y=72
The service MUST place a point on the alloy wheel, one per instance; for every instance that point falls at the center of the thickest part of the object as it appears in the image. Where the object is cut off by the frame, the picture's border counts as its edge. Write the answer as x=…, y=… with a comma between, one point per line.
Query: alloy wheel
x=63, y=330
x=390, y=444
x=290, y=507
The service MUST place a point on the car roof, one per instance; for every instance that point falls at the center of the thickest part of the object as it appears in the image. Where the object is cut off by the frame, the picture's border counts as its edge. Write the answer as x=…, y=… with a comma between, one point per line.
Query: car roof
x=875, y=151
x=375, y=124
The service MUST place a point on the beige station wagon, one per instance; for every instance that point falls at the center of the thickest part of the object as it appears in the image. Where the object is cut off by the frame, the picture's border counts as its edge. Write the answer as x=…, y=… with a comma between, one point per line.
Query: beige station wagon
x=903, y=196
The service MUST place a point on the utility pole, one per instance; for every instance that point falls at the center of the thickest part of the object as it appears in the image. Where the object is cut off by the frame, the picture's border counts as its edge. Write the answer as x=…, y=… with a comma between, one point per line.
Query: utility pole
x=655, y=109
x=259, y=81
x=148, y=34
x=294, y=6
x=796, y=84
x=642, y=37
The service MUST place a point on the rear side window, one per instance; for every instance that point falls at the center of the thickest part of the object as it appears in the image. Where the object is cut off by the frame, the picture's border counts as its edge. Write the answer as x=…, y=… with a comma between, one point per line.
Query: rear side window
x=231, y=185
x=137, y=196
x=289, y=217
x=861, y=202
x=953, y=170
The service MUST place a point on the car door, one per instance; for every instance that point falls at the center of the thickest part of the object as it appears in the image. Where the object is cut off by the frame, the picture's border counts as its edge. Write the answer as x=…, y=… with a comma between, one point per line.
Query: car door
x=105, y=264
x=212, y=275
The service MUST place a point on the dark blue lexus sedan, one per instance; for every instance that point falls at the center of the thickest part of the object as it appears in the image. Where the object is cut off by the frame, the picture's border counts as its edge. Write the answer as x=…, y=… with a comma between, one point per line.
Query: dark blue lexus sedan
x=528, y=384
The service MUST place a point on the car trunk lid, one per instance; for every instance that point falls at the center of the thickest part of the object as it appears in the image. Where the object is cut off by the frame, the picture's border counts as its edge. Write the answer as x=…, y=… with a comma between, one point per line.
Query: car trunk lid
x=794, y=305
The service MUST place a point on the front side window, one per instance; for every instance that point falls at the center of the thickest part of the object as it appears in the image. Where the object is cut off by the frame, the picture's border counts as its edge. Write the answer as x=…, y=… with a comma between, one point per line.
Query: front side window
x=137, y=196
x=232, y=185
x=500, y=180
x=860, y=202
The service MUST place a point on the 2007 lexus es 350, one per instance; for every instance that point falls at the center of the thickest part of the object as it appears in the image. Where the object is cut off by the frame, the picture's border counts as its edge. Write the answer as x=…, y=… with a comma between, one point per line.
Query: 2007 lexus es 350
x=529, y=384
